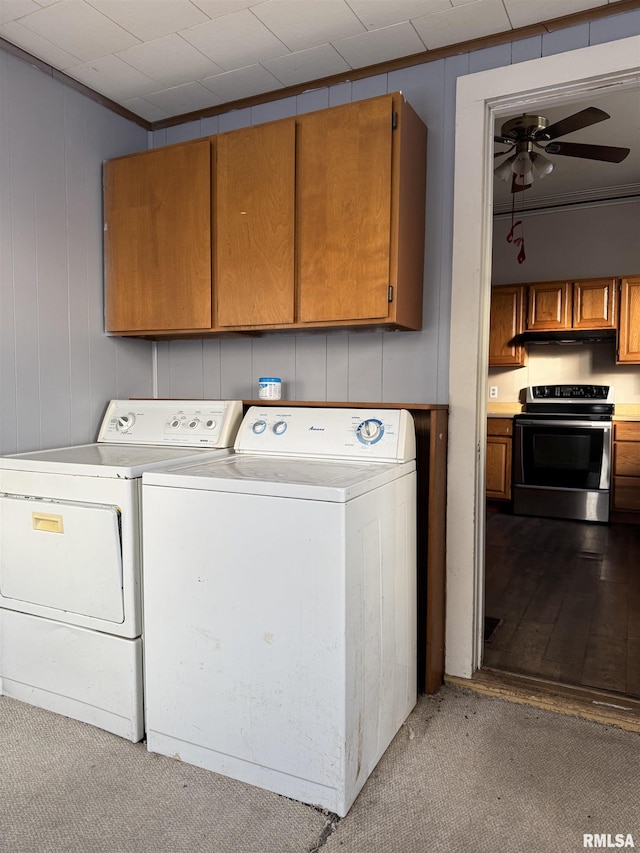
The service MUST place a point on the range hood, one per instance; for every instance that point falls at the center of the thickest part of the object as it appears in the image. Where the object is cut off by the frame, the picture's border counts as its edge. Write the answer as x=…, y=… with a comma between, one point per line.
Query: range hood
x=567, y=336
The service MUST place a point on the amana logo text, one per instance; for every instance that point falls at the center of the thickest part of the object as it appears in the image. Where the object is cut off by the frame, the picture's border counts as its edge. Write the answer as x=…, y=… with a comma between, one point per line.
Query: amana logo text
x=606, y=840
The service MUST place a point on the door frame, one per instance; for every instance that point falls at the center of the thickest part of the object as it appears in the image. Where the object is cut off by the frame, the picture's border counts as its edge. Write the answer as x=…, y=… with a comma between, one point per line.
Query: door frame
x=480, y=99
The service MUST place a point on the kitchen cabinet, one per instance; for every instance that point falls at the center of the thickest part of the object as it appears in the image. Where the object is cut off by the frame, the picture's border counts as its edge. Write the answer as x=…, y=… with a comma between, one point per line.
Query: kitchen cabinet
x=498, y=458
x=629, y=321
x=626, y=466
x=594, y=304
x=317, y=221
x=587, y=304
x=549, y=305
x=507, y=320
x=157, y=239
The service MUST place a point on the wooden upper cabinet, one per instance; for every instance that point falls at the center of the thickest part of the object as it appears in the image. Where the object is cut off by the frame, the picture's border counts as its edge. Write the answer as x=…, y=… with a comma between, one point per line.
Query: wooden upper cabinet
x=629, y=324
x=549, y=305
x=157, y=240
x=594, y=303
x=507, y=321
x=254, y=225
x=360, y=214
x=307, y=222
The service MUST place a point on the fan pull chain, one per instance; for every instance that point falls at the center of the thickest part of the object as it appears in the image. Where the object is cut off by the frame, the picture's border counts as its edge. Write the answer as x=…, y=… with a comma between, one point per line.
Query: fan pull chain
x=511, y=238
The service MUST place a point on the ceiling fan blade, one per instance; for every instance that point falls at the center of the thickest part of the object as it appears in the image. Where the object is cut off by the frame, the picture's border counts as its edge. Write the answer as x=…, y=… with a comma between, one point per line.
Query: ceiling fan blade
x=506, y=140
x=608, y=153
x=585, y=118
x=503, y=153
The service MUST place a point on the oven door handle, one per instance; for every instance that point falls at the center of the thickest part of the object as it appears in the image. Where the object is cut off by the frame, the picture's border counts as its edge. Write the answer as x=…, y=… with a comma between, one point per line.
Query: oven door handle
x=538, y=422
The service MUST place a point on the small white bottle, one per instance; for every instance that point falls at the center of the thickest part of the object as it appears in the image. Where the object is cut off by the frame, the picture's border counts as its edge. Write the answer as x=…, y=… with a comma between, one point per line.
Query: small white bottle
x=269, y=388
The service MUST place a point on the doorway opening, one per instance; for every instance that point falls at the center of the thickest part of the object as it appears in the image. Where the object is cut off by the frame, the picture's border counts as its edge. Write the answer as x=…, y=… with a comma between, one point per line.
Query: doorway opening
x=481, y=98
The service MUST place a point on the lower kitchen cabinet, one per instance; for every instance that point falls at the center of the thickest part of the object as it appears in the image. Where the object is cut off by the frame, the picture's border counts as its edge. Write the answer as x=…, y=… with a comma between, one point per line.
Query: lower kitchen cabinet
x=498, y=458
x=626, y=466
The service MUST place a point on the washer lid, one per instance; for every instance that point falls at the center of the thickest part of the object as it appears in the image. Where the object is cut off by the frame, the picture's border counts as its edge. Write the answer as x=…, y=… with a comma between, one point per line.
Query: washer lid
x=105, y=460
x=289, y=477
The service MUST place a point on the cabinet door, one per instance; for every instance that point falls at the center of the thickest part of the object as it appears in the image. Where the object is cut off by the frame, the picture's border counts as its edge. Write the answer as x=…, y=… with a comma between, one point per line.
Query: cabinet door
x=344, y=212
x=507, y=320
x=549, y=305
x=498, y=467
x=157, y=239
x=254, y=225
x=629, y=326
x=594, y=304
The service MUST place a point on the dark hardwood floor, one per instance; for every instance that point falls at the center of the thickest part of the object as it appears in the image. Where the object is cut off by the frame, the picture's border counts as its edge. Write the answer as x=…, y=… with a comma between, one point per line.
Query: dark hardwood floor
x=567, y=597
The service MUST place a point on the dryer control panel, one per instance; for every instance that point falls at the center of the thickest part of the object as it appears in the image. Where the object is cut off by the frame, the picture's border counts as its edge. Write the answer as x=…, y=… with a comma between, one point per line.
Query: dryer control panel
x=378, y=435
x=188, y=423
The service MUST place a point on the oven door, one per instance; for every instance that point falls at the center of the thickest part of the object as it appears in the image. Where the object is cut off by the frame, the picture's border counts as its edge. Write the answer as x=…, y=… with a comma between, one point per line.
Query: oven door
x=562, y=468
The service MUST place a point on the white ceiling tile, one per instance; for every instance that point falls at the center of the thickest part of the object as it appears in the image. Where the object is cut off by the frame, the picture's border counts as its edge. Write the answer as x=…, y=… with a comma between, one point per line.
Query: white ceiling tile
x=183, y=99
x=242, y=83
x=79, y=29
x=462, y=23
x=301, y=24
x=384, y=13
x=525, y=12
x=313, y=64
x=150, y=19
x=235, y=41
x=380, y=45
x=114, y=78
x=12, y=9
x=218, y=8
x=37, y=46
x=170, y=60
x=46, y=2
x=145, y=109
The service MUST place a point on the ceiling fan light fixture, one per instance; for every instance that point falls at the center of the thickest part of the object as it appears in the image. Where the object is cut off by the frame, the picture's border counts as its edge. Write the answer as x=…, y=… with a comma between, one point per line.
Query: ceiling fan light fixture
x=504, y=171
x=542, y=166
x=522, y=163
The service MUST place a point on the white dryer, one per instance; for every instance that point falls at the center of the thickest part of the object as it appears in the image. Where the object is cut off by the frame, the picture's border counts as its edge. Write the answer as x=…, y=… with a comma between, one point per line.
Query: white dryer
x=280, y=601
x=70, y=557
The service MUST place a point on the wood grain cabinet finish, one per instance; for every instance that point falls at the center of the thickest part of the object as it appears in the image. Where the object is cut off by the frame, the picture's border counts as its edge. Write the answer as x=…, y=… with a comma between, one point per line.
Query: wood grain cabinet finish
x=498, y=458
x=254, y=225
x=157, y=239
x=629, y=321
x=361, y=175
x=317, y=221
x=507, y=320
x=626, y=466
x=594, y=304
x=549, y=306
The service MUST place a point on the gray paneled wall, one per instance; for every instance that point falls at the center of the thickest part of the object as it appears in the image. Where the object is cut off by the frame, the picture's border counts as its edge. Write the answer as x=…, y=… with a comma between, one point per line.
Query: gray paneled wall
x=376, y=366
x=57, y=368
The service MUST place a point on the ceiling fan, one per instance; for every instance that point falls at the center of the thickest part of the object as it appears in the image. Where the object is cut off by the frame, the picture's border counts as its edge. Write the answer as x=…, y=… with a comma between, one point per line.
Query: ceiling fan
x=526, y=132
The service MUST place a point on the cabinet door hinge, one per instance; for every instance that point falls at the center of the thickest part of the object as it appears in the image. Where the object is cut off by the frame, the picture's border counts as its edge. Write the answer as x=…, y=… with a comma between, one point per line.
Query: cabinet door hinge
x=390, y=293
x=394, y=120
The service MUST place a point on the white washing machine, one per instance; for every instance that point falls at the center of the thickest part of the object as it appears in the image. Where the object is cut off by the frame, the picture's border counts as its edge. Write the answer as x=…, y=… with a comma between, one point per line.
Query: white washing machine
x=70, y=561
x=280, y=601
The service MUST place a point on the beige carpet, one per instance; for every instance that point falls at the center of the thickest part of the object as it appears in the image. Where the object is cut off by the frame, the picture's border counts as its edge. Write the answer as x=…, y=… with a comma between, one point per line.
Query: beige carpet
x=466, y=774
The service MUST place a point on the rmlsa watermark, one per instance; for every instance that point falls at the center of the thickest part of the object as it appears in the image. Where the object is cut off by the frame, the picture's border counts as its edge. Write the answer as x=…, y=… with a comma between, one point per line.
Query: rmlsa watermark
x=607, y=840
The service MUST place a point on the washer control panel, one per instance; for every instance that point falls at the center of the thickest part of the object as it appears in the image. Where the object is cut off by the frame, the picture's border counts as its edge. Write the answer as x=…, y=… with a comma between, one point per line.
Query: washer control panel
x=379, y=435
x=191, y=423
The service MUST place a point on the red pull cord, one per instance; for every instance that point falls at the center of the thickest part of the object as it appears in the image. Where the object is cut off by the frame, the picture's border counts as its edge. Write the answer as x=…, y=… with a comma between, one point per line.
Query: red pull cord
x=511, y=238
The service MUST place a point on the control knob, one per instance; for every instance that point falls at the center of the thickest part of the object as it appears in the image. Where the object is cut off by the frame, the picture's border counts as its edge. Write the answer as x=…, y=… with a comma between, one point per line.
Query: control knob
x=125, y=422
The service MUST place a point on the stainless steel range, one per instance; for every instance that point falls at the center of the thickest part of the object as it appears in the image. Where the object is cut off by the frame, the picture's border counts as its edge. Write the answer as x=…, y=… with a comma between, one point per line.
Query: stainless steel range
x=562, y=452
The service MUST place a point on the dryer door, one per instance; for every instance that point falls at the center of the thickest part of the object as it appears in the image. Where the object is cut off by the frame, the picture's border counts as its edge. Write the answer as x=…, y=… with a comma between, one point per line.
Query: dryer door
x=62, y=555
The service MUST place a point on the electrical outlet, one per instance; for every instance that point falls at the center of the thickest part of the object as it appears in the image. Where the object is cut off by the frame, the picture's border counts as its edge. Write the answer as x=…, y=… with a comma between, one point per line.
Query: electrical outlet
x=493, y=392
